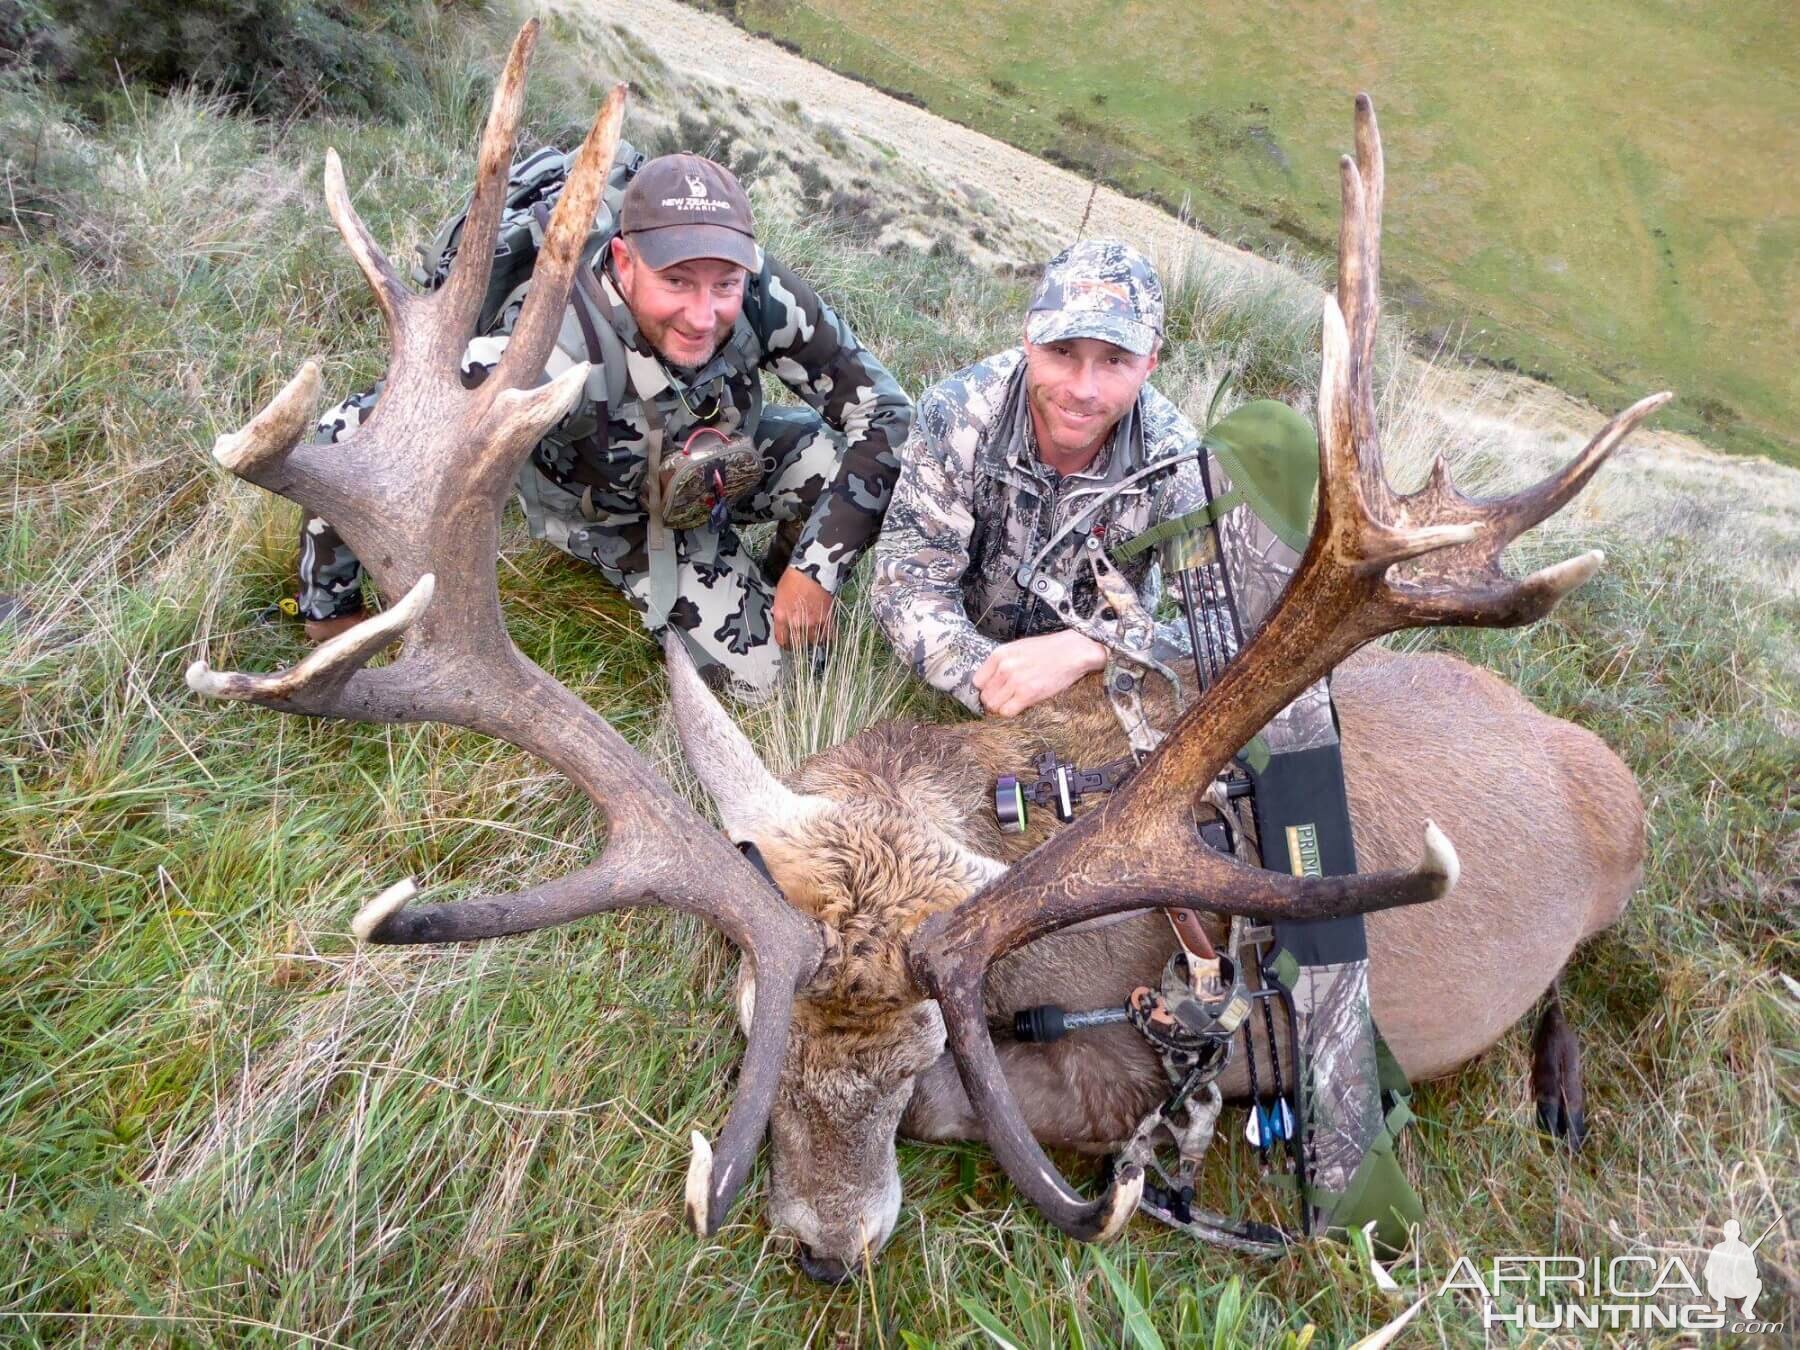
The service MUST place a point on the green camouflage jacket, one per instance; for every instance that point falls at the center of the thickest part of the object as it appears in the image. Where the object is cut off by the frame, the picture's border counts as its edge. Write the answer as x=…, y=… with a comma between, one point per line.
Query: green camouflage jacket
x=974, y=503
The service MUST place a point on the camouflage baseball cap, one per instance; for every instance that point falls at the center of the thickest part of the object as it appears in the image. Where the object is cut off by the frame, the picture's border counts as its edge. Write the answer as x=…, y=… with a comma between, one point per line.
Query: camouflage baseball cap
x=1099, y=288
x=680, y=207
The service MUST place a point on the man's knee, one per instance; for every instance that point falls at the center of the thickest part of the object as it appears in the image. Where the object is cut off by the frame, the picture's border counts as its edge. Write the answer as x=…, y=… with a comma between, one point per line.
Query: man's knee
x=726, y=626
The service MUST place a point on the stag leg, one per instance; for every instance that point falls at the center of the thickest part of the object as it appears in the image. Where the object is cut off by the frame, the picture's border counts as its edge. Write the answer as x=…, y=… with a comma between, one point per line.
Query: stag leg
x=1556, y=1075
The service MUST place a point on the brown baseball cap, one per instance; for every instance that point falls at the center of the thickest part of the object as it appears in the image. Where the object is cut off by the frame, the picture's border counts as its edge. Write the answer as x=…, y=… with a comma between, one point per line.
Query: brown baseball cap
x=679, y=207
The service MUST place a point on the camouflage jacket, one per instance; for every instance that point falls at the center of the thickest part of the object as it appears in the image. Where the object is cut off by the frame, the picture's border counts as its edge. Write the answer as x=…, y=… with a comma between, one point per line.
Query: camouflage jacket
x=596, y=456
x=974, y=504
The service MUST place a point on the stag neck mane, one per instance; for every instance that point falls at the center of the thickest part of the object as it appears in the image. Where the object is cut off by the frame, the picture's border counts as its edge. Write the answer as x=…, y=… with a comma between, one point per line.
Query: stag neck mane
x=912, y=804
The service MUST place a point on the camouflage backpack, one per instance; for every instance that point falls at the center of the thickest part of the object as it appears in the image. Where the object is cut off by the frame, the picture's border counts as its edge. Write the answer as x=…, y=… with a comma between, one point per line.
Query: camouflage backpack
x=533, y=185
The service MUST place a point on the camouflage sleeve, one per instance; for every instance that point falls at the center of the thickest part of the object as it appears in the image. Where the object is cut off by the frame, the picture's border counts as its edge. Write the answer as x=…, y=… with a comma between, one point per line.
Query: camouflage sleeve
x=816, y=355
x=330, y=576
x=1260, y=566
x=1183, y=491
x=923, y=553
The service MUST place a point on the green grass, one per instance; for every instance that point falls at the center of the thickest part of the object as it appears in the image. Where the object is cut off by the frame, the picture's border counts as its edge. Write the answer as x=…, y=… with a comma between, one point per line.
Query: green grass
x=220, y=1122
x=1599, y=198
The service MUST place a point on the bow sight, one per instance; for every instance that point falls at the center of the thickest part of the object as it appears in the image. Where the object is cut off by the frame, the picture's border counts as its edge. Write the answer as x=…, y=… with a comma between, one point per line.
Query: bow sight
x=1058, y=785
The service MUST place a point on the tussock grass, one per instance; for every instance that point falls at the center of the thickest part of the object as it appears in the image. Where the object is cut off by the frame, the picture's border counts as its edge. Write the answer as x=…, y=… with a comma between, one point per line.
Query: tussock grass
x=219, y=1122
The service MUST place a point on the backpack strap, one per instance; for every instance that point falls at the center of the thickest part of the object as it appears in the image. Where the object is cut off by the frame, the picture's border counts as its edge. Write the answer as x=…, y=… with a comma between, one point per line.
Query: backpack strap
x=658, y=538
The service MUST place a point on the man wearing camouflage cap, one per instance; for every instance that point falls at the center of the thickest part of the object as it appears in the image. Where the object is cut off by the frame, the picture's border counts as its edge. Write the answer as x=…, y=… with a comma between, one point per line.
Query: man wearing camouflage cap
x=1026, y=467
x=672, y=450
x=1001, y=478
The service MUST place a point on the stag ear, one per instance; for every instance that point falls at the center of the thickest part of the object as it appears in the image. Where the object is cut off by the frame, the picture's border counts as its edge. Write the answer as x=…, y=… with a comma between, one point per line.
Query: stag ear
x=753, y=803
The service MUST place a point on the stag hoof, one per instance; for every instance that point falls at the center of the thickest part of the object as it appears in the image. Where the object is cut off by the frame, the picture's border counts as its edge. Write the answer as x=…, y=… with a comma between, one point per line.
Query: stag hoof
x=1556, y=1077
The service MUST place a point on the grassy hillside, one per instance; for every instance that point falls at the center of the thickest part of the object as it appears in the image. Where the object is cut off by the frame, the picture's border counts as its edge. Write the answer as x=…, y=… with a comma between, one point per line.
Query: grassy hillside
x=222, y=1123
x=1603, y=196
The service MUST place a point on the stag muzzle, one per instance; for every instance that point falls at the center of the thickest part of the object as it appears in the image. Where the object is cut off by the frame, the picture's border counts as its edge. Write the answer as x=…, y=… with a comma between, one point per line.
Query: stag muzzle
x=825, y=1269
x=836, y=1191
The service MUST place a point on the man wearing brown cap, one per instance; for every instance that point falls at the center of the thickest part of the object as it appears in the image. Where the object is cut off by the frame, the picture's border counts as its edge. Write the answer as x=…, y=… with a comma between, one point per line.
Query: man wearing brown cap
x=673, y=450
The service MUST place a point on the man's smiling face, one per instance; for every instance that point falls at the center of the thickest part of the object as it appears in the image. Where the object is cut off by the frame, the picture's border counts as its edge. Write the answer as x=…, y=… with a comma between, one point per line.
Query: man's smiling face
x=685, y=311
x=1078, y=389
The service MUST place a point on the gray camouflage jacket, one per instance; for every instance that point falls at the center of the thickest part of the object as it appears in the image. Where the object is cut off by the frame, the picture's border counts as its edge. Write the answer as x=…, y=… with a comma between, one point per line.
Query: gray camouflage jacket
x=597, y=455
x=974, y=503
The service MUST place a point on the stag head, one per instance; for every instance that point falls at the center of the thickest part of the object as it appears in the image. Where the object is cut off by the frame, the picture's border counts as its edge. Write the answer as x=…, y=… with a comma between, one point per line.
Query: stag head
x=874, y=954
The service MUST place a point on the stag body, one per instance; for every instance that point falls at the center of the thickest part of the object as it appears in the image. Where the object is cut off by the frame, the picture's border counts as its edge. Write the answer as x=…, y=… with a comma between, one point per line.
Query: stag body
x=1552, y=838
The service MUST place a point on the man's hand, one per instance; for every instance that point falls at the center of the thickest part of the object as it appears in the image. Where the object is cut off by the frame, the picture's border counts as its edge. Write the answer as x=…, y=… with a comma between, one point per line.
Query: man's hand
x=1018, y=674
x=323, y=630
x=802, y=610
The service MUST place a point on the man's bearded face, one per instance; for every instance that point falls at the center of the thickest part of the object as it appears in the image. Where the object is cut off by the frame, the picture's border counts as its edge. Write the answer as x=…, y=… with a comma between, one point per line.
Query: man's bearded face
x=1078, y=389
x=686, y=310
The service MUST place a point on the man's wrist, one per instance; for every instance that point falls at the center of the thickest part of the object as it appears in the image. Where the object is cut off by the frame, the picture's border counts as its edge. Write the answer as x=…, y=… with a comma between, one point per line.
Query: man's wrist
x=1093, y=653
x=814, y=562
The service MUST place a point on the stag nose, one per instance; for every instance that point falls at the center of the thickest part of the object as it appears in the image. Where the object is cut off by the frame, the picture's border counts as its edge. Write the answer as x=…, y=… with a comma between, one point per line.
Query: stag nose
x=824, y=1269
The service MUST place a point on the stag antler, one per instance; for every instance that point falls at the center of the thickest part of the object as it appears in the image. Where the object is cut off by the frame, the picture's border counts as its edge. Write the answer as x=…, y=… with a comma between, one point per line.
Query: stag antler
x=416, y=491
x=1376, y=563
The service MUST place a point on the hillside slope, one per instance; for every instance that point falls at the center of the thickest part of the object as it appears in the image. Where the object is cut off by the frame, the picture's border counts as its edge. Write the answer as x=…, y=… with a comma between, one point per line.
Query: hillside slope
x=1010, y=207
x=1607, y=192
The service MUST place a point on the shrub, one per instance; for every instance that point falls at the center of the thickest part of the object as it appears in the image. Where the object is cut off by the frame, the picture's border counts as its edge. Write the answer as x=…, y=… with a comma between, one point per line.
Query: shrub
x=275, y=57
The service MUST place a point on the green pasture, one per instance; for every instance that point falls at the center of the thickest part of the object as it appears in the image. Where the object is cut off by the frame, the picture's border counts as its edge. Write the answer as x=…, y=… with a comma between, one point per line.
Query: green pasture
x=1601, y=194
x=221, y=1123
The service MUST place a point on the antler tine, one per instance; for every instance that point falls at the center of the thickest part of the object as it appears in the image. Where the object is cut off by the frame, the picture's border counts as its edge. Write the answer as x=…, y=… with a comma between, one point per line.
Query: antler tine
x=1354, y=496
x=391, y=292
x=541, y=317
x=316, y=685
x=267, y=438
x=1371, y=168
x=1358, y=303
x=1467, y=585
x=1544, y=499
x=460, y=299
x=1140, y=846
